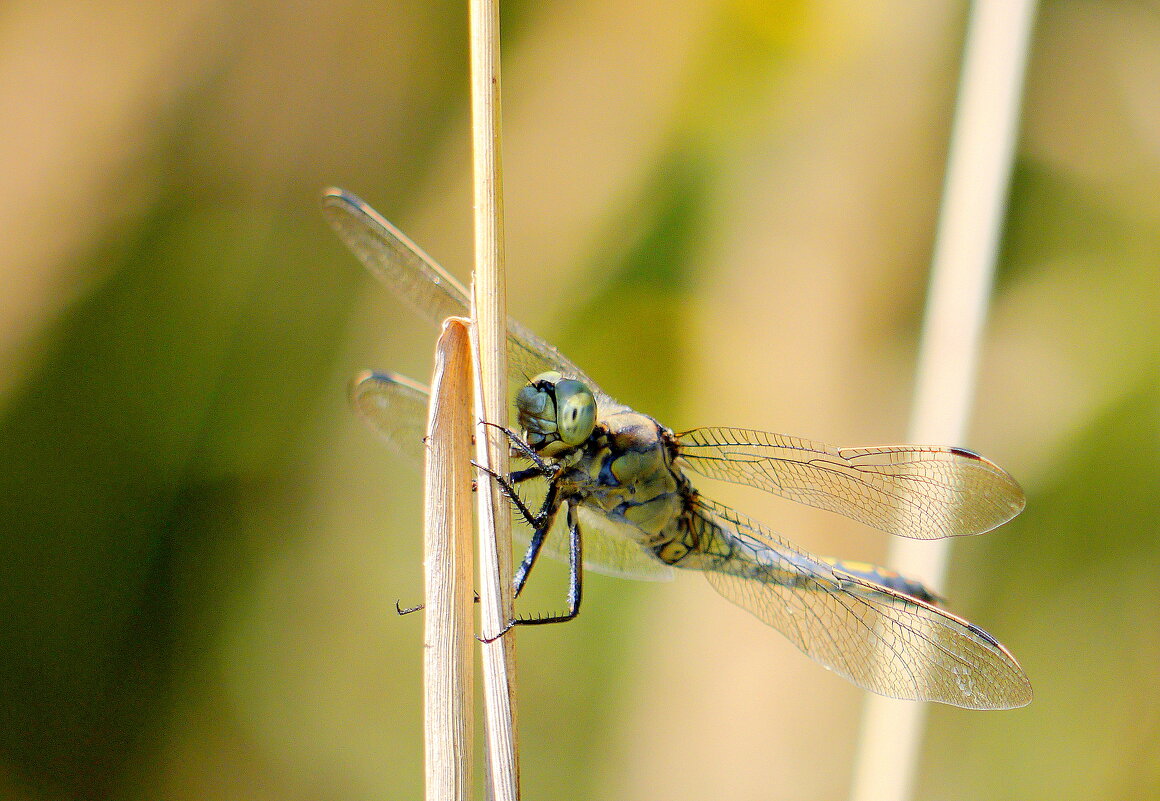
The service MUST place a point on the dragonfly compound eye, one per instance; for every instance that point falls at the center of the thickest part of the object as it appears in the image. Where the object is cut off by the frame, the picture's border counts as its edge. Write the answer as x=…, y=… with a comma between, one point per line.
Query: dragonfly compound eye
x=575, y=411
x=536, y=410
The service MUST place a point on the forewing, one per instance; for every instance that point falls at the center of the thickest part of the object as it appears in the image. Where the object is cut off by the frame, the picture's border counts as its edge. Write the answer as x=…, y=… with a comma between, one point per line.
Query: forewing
x=918, y=492
x=428, y=289
x=417, y=281
x=878, y=638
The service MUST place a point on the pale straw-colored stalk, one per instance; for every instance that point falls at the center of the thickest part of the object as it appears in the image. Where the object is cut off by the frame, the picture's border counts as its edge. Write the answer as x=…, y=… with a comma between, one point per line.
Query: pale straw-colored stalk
x=974, y=203
x=489, y=310
x=447, y=567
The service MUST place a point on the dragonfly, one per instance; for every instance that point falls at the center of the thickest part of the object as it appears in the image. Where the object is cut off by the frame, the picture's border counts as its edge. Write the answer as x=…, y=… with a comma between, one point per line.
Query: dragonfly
x=618, y=493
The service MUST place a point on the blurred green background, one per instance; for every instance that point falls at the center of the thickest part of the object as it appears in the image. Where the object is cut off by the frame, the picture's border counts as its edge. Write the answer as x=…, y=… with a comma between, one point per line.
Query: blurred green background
x=722, y=210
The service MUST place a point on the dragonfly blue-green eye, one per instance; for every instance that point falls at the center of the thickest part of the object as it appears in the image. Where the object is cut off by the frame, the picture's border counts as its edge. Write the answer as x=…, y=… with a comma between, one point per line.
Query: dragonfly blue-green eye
x=555, y=413
x=616, y=483
x=575, y=411
x=536, y=415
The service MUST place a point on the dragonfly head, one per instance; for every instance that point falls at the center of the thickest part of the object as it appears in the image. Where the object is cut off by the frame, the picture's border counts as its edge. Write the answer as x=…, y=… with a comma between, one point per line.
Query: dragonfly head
x=556, y=414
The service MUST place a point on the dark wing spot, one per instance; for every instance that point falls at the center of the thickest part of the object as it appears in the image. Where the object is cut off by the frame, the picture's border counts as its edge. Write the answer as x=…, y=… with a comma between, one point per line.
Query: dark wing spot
x=976, y=630
x=967, y=453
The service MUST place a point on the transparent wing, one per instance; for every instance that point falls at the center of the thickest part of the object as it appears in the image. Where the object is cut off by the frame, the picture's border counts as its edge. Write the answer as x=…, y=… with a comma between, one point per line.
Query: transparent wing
x=610, y=550
x=396, y=408
x=918, y=492
x=875, y=636
x=430, y=291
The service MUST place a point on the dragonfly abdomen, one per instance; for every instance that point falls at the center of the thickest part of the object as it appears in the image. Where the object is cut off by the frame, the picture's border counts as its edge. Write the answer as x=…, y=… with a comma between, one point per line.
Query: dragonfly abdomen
x=706, y=545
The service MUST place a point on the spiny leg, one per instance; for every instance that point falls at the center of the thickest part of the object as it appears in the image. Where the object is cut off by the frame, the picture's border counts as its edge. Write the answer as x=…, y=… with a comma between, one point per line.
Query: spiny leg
x=523, y=449
x=575, y=577
x=540, y=522
x=507, y=489
x=540, y=469
x=408, y=610
x=533, y=553
x=544, y=525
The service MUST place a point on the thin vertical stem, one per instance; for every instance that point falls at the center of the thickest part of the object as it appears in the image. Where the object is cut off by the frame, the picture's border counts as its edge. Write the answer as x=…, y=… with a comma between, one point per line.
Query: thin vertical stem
x=489, y=308
x=447, y=563
x=974, y=204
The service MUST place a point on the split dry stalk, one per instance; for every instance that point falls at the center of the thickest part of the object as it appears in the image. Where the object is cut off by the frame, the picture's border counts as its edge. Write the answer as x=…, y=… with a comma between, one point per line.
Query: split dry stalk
x=447, y=564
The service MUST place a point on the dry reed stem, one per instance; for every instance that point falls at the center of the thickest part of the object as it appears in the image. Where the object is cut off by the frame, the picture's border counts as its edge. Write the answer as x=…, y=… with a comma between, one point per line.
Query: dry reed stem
x=448, y=570
x=489, y=309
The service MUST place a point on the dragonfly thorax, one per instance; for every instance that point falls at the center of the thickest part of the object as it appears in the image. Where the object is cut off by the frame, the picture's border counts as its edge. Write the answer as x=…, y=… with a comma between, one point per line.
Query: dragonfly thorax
x=556, y=414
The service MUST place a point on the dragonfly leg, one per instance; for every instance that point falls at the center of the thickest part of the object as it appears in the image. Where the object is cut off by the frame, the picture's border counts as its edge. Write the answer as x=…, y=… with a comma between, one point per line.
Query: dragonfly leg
x=542, y=524
x=399, y=608
x=520, y=476
x=575, y=576
x=523, y=449
x=409, y=609
x=506, y=488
